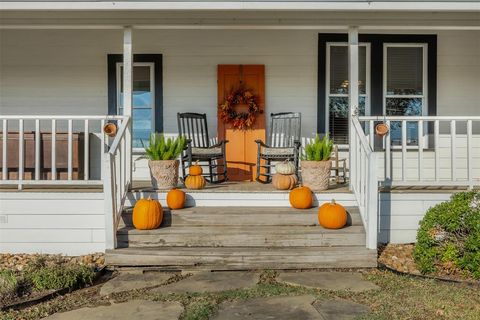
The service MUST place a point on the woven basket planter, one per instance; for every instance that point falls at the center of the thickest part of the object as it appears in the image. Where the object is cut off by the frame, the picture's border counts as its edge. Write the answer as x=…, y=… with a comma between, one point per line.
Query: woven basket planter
x=164, y=173
x=316, y=174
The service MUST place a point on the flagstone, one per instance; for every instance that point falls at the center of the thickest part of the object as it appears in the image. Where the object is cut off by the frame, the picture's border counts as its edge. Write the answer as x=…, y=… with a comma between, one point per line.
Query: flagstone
x=127, y=281
x=340, y=309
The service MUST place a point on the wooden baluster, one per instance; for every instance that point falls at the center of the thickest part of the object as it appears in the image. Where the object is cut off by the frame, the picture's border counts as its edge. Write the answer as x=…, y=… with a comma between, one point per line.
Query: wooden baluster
x=436, y=129
x=404, y=150
x=453, y=132
x=86, y=151
x=4, y=150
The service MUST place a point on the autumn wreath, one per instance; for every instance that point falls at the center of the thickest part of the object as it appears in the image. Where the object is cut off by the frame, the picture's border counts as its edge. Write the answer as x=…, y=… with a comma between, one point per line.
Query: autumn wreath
x=239, y=120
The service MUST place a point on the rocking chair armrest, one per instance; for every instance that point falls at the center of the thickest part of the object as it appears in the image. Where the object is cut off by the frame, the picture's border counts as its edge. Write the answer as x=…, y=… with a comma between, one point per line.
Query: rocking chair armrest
x=261, y=143
x=219, y=144
x=297, y=144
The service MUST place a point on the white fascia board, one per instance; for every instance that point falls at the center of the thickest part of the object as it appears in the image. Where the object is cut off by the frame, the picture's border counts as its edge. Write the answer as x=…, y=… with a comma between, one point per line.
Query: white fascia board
x=243, y=5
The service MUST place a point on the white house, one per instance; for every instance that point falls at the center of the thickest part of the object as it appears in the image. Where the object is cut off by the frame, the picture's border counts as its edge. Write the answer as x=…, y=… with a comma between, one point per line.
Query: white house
x=68, y=67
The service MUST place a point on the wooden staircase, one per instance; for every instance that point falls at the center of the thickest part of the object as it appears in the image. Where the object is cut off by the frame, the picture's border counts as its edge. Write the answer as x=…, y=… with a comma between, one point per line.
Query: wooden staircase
x=239, y=238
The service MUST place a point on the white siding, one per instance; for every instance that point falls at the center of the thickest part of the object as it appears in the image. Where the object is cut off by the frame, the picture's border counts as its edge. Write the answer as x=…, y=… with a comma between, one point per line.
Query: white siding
x=401, y=212
x=54, y=222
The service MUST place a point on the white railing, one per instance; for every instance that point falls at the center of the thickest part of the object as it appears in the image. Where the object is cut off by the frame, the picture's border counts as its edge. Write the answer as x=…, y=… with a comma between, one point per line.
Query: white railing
x=53, y=150
x=364, y=181
x=117, y=165
x=427, y=150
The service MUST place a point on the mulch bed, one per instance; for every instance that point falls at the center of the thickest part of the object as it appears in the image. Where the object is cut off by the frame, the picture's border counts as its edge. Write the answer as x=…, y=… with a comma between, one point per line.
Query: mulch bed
x=399, y=258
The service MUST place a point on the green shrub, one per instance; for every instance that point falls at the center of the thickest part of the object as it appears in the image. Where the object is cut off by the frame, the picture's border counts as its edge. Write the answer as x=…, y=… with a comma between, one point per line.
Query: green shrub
x=319, y=149
x=449, y=234
x=8, y=283
x=160, y=148
x=60, y=276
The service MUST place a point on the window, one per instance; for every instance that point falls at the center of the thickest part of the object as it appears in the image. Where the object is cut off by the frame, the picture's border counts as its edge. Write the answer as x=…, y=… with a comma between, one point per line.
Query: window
x=147, y=108
x=337, y=88
x=405, y=87
x=143, y=101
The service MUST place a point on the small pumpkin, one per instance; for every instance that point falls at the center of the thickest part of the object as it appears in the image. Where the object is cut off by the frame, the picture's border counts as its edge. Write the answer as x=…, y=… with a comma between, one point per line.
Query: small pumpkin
x=195, y=170
x=332, y=215
x=147, y=214
x=285, y=167
x=176, y=199
x=195, y=182
x=301, y=197
x=284, y=182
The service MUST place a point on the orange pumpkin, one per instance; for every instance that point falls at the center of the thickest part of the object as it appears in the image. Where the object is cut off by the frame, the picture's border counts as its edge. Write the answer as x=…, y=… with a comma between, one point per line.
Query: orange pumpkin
x=195, y=182
x=195, y=170
x=301, y=198
x=284, y=182
x=147, y=214
x=176, y=199
x=332, y=215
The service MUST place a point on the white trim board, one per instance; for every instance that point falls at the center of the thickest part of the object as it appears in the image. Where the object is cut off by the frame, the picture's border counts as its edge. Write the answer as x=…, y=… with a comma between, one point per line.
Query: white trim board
x=453, y=6
x=242, y=199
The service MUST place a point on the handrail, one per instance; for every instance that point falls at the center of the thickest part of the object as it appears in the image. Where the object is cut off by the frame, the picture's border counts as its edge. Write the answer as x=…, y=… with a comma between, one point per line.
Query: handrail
x=416, y=118
x=120, y=134
x=46, y=130
x=440, y=150
x=117, y=182
x=364, y=181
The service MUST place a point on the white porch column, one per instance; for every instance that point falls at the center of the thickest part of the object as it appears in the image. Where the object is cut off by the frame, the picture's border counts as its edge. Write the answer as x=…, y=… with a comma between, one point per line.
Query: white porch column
x=127, y=95
x=352, y=91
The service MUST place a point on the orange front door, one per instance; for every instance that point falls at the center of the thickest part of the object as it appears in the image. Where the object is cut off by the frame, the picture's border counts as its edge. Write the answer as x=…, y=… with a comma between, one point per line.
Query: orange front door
x=241, y=148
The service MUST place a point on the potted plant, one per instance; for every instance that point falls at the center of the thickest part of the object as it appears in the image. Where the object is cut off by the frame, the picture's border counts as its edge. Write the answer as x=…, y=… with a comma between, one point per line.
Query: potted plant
x=316, y=164
x=162, y=155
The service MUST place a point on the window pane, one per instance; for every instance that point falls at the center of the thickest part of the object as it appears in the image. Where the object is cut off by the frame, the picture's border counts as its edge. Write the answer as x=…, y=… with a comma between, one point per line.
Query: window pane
x=404, y=107
x=142, y=127
x=339, y=69
x=338, y=118
x=142, y=105
x=404, y=70
x=142, y=93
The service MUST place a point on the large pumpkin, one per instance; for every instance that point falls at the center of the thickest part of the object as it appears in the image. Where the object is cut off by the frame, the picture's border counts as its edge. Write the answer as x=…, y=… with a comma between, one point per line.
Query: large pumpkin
x=285, y=167
x=301, y=198
x=332, y=215
x=195, y=182
x=284, y=182
x=147, y=214
x=176, y=199
x=195, y=170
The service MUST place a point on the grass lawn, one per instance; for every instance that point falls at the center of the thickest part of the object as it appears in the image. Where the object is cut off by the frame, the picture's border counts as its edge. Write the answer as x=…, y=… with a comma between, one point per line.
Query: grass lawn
x=400, y=297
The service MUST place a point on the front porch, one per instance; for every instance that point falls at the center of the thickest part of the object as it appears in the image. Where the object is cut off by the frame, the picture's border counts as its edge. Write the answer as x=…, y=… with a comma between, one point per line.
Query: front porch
x=238, y=221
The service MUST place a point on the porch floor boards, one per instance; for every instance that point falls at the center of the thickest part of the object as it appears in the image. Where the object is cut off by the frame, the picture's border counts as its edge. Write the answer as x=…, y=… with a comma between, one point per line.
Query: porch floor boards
x=233, y=238
x=240, y=187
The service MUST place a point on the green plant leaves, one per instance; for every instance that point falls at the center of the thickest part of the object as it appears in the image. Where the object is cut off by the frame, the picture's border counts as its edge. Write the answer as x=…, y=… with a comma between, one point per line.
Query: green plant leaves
x=160, y=148
x=318, y=149
x=450, y=233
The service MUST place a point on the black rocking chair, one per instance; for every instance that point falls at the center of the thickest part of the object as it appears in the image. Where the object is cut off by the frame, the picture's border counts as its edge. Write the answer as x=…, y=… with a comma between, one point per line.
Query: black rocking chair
x=283, y=142
x=194, y=127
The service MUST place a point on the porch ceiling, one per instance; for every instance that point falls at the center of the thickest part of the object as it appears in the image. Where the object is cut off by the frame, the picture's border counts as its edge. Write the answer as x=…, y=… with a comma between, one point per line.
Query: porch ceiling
x=240, y=20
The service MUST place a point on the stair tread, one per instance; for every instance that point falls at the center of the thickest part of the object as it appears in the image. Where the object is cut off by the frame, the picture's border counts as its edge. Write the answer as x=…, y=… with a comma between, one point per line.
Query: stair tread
x=247, y=230
x=236, y=258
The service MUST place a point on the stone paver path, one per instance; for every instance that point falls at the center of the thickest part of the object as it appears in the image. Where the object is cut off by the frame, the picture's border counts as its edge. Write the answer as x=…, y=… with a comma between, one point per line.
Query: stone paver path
x=126, y=281
x=278, y=308
x=327, y=280
x=339, y=309
x=135, y=309
x=211, y=282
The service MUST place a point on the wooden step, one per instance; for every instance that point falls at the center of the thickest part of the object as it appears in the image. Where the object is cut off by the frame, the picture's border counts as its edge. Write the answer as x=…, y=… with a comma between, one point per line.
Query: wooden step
x=246, y=216
x=215, y=196
x=244, y=258
x=234, y=236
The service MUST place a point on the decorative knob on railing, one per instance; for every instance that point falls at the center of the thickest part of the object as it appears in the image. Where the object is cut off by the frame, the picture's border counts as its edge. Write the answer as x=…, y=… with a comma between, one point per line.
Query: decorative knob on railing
x=110, y=129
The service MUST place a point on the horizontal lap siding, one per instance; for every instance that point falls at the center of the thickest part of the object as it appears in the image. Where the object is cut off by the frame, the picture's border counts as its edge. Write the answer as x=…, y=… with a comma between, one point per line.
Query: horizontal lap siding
x=401, y=212
x=57, y=222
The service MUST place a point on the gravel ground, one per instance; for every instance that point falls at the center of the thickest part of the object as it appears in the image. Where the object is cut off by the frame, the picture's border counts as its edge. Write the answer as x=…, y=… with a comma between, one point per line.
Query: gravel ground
x=18, y=262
